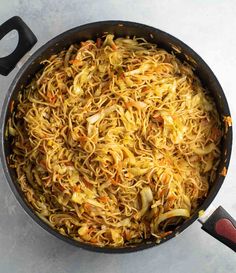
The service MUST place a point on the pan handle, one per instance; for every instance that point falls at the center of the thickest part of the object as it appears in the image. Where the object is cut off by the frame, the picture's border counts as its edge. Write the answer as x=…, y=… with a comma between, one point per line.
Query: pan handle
x=222, y=226
x=27, y=40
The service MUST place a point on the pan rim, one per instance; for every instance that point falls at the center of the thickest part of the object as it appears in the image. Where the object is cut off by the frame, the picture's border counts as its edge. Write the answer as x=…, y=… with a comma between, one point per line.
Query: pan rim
x=23, y=202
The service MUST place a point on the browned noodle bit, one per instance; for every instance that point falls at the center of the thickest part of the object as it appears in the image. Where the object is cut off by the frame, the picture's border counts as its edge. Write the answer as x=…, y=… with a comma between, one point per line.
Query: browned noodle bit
x=114, y=141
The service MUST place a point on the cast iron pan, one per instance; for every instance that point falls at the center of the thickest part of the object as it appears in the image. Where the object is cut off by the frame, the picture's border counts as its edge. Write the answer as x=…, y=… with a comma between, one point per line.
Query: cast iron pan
x=219, y=224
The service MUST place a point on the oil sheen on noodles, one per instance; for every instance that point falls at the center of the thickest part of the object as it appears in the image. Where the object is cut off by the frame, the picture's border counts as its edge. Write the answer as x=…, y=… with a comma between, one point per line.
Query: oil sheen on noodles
x=114, y=141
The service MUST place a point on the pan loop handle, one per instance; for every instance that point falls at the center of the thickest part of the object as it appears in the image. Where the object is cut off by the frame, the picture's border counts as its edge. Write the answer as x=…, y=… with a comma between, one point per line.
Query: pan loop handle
x=27, y=40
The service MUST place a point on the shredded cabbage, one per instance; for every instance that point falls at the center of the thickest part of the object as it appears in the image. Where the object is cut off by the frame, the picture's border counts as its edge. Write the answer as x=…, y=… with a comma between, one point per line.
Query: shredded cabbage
x=114, y=141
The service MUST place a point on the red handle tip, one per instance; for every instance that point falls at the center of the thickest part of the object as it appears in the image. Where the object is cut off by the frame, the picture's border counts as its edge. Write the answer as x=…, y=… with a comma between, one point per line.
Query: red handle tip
x=226, y=229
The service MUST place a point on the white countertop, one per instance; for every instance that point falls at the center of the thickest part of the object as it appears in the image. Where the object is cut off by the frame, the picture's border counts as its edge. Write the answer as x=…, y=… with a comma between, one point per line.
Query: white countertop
x=209, y=28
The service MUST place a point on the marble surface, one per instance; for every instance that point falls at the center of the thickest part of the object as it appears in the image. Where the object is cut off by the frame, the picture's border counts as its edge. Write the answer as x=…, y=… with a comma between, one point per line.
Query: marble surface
x=209, y=28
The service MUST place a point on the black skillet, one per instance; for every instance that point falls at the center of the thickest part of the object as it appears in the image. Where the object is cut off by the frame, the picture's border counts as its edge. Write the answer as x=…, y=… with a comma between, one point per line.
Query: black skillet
x=220, y=224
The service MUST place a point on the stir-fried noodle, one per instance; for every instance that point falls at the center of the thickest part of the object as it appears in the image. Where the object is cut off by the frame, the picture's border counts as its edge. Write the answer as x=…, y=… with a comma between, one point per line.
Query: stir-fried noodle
x=115, y=141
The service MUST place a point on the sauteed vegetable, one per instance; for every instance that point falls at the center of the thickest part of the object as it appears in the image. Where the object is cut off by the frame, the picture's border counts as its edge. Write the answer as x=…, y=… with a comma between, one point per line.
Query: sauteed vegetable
x=114, y=141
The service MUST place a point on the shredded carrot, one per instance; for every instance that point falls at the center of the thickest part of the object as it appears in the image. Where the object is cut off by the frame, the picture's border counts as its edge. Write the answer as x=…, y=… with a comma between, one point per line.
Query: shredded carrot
x=93, y=240
x=82, y=140
x=76, y=62
x=87, y=184
x=86, y=45
x=171, y=198
x=122, y=76
x=164, y=179
x=163, y=192
x=165, y=234
x=76, y=188
x=113, y=46
x=158, y=118
x=87, y=206
x=228, y=120
x=69, y=163
x=53, y=99
x=114, y=182
x=12, y=106
x=103, y=199
x=223, y=172
x=127, y=235
x=145, y=90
